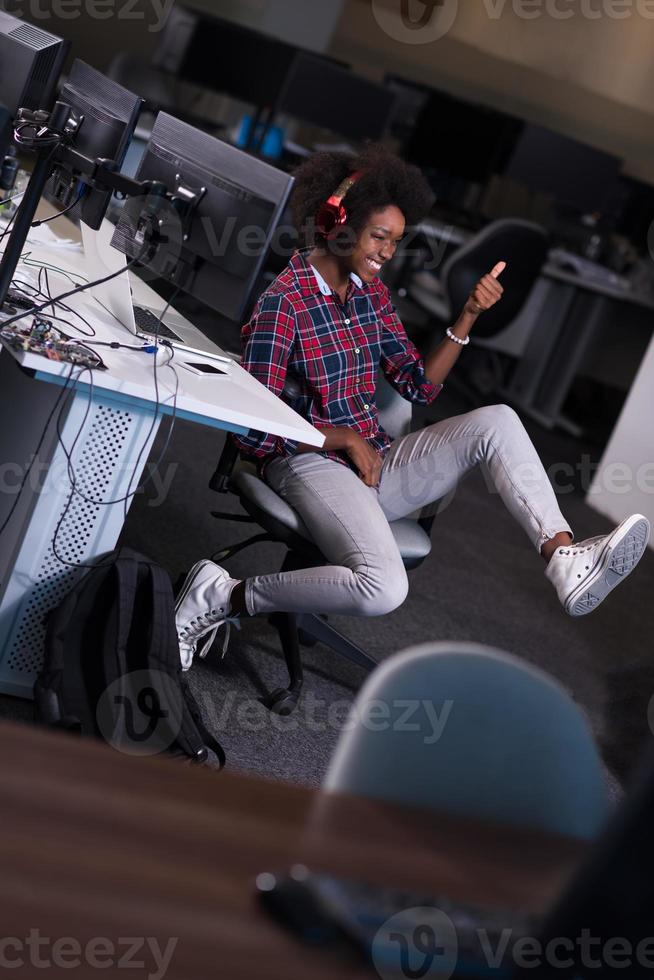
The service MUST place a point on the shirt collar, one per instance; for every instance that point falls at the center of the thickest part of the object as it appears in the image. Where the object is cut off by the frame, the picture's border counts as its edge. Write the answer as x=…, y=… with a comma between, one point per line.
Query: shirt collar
x=309, y=279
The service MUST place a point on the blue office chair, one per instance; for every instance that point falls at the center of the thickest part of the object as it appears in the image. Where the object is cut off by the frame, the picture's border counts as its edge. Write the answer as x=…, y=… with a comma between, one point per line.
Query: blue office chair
x=506, y=742
x=280, y=523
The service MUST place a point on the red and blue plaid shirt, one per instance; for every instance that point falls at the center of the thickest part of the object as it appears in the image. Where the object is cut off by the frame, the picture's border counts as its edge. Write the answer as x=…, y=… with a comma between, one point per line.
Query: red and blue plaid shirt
x=322, y=356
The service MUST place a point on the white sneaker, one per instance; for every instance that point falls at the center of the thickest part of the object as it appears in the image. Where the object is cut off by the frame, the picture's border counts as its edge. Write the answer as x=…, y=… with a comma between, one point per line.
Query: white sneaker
x=202, y=607
x=584, y=573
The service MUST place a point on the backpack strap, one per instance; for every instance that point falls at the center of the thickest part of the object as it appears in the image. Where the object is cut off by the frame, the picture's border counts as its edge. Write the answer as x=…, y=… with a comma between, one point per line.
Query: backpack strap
x=114, y=646
x=163, y=655
x=62, y=682
x=207, y=738
x=48, y=699
x=126, y=569
x=163, y=636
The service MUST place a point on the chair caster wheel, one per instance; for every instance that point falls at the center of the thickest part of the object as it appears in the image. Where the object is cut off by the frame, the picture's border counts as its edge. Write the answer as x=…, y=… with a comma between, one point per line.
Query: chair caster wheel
x=282, y=701
x=306, y=639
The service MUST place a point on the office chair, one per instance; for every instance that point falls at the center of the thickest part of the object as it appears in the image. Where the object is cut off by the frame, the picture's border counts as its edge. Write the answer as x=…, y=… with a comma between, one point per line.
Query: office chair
x=503, y=741
x=282, y=524
x=523, y=245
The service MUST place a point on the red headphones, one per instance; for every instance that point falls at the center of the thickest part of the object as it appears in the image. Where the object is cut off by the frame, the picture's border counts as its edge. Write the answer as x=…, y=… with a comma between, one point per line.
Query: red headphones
x=331, y=215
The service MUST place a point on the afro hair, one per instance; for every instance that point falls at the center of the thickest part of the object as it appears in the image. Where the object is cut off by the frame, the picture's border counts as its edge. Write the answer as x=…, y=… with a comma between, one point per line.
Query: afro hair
x=386, y=180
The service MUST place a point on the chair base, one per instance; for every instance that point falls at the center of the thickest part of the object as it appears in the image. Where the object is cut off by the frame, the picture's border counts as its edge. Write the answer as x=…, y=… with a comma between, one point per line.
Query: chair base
x=294, y=628
x=320, y=631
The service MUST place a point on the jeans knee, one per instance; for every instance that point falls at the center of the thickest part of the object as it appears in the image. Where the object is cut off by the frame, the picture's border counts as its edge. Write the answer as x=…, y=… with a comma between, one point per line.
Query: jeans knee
x=499, y=418
x=378, y=596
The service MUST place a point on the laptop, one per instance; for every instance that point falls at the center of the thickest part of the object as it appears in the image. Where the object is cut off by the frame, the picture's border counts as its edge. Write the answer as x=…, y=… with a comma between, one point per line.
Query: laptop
x=142, y=320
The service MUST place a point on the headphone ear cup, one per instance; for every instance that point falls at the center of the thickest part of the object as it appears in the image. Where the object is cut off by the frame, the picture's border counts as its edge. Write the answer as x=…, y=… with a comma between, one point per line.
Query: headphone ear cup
x=330, y=217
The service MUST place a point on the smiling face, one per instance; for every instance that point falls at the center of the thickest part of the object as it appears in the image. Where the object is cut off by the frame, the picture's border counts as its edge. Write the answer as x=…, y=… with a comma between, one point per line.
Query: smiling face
x=377, y=242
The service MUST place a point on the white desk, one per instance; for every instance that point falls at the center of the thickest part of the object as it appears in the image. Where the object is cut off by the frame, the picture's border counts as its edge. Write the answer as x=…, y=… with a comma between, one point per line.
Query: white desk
x=569, y=318
x=108, y=423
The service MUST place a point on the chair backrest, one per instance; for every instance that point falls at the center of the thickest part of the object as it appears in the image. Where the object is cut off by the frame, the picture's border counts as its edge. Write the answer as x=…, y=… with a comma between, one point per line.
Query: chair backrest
x=522, y=245
x=394, y=415
x=468, y=729
x=394, y=411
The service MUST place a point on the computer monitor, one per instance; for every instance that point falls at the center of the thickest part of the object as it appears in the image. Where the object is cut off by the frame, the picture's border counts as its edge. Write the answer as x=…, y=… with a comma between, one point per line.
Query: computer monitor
x=230, y=204
x=223, y=56
x=576, y=175
x=410, y=100
x=461, y=139
x=107, y=115
x=31, y=61
x=322, y=93
x=79, y=147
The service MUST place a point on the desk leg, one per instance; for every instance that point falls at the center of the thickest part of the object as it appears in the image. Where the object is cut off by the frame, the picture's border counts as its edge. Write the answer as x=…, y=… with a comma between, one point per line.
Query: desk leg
x=111, y=433
x=578, y=333
x=527, y=377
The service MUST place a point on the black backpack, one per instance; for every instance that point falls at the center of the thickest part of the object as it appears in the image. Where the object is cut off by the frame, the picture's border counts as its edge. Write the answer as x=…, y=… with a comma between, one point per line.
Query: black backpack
x=112, y=667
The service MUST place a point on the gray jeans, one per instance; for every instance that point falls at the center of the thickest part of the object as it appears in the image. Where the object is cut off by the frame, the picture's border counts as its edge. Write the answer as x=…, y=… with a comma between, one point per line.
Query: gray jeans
x=349, y=521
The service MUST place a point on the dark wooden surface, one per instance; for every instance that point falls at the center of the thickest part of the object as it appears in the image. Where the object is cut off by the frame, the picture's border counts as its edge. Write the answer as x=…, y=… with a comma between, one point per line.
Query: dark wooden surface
x=98, y=844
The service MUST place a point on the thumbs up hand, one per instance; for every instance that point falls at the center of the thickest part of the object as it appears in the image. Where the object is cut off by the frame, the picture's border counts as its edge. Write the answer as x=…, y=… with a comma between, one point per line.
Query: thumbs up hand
x=486, y=292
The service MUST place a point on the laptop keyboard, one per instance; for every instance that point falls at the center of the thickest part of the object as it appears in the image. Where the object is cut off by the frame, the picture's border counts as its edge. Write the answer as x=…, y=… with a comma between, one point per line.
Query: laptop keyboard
x=148, y=322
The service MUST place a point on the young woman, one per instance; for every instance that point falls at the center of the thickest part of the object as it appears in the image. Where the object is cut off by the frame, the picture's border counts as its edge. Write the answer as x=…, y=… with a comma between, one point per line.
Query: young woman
x=317, y=337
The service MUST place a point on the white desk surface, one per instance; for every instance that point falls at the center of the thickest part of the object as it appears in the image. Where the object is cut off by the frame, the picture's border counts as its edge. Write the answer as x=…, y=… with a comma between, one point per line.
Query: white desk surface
x=235, y=399
x=598, y=286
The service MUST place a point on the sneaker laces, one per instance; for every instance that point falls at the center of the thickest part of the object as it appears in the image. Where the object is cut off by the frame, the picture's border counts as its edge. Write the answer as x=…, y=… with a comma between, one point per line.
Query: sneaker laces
x=588, y=545
x=207, y=625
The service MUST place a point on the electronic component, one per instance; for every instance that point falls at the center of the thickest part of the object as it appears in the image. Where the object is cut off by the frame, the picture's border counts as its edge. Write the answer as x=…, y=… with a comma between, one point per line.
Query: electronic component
x=43, y=338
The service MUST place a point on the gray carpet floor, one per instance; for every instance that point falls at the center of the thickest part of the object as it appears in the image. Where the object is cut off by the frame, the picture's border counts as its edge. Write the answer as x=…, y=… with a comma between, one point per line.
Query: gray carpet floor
x=482, y=582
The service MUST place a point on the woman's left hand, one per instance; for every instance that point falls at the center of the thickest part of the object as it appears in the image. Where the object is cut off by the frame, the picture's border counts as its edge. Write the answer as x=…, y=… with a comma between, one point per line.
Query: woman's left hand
x=487, y=291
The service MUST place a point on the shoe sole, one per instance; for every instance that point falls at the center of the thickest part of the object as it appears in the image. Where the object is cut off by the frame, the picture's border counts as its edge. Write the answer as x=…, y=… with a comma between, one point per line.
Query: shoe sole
x=620, y=555
x=190, y=579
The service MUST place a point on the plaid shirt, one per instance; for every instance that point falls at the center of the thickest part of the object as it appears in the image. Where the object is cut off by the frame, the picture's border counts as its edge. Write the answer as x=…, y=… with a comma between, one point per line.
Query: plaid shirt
x=322, y=357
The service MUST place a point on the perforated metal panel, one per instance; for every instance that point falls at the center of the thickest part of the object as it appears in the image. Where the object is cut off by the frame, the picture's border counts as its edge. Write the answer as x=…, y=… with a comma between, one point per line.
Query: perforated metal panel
x=99, y=456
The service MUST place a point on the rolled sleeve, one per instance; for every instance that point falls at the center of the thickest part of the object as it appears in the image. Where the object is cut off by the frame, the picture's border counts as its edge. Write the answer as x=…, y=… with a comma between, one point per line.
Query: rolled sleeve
x=267, y=345
x=401, y=362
